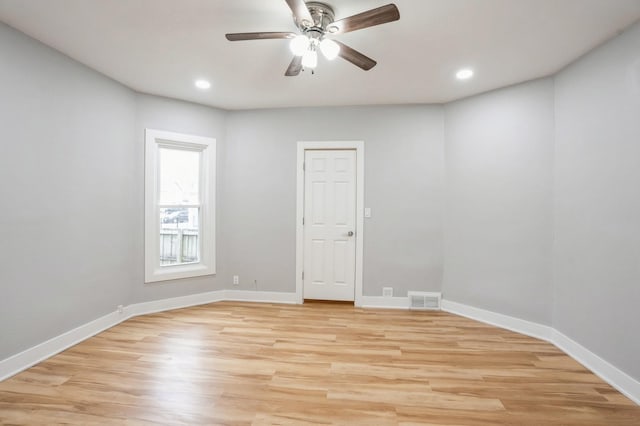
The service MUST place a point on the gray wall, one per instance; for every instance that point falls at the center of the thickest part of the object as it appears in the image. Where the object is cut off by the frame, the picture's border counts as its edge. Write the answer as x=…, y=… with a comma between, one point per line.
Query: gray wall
x=403, y=187
x=499, y=152
x=184, y=117
x=67, y=164
x=71, y=187
x=597, y=202
x=256, y=200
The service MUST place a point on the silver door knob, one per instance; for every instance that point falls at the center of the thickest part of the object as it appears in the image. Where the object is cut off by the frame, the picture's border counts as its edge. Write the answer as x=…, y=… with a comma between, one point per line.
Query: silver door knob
x=350, y=233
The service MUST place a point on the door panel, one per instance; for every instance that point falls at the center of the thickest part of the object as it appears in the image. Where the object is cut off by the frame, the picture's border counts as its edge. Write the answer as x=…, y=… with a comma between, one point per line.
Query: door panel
x=340, y=255
x=330, y=217
x=318, y=200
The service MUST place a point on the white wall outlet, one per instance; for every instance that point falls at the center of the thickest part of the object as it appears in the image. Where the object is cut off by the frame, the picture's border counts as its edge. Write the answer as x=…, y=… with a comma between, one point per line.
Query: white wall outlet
x=120, y=309
x=387, y=291
x=367, y=212
x=236, y=280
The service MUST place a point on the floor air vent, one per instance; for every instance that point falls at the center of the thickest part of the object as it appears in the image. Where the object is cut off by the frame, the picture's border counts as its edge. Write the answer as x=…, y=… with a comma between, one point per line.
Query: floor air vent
x=420, y=300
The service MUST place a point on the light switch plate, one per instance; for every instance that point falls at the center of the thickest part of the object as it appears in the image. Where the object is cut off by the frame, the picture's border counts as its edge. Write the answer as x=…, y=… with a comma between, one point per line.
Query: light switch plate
x=367, y=212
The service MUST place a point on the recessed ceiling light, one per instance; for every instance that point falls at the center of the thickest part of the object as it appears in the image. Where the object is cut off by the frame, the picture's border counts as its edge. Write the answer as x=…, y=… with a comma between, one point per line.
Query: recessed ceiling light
x=464, y=74
x=202, y=84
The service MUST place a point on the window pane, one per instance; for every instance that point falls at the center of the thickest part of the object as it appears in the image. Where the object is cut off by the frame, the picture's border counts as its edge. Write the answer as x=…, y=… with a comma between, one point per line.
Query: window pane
x=179, y=176
x=179, y=236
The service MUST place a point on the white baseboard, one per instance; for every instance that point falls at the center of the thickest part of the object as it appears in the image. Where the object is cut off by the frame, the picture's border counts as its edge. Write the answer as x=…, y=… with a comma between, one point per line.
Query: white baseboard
x=620, y=380
x=27, y=358
x=529, y=328
x=382, y=302
x=624, y=383
x=609, y=373
x=260, y=296
x=174, y=303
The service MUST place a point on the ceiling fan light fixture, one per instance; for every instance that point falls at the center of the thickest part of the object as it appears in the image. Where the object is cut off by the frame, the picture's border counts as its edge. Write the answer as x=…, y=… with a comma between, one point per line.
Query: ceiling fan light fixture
x=310, y=59
x=299, y=44
x=330, y=49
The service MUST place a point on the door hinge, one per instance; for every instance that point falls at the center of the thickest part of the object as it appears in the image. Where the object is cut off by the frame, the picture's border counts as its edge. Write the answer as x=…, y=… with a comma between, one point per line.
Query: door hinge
x=304, y=166
x=302, y=275
x=303, y=220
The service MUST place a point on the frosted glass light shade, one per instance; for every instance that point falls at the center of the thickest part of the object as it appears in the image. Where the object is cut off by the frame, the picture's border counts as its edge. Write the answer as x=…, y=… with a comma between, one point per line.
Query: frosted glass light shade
x=299, y=44
x=330, y=49
x=310, y=59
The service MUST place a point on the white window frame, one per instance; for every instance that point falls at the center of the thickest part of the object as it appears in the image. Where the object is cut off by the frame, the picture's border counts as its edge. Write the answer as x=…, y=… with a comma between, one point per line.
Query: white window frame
x=154, y=140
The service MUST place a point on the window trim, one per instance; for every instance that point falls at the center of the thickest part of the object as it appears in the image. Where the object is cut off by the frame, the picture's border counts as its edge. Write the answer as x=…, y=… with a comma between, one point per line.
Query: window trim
x=154, y=140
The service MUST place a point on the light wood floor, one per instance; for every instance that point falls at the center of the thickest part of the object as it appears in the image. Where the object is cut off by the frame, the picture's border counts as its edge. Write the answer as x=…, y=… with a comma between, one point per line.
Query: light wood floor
x=262, y=364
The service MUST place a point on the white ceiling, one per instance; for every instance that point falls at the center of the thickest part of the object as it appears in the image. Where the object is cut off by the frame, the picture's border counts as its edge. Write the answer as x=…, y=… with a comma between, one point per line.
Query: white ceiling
x=162, y=46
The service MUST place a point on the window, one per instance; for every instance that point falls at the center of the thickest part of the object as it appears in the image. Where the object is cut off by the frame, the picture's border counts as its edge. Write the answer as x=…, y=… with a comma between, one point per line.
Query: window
x=179, y=205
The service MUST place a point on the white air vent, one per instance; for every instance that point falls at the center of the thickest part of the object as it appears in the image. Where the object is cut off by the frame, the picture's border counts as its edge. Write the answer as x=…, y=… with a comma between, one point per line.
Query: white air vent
x=424, y=301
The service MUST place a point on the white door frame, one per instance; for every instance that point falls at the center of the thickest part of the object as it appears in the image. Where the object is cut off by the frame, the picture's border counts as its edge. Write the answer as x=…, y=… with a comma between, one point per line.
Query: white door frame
x=358, y=146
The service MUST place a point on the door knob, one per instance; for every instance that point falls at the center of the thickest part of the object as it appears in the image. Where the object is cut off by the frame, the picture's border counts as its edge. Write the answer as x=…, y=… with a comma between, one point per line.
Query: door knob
x=350, y=233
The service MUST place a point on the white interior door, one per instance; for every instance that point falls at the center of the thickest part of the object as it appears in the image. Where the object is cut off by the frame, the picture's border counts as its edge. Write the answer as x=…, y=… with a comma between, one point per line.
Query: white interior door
x=329, y=224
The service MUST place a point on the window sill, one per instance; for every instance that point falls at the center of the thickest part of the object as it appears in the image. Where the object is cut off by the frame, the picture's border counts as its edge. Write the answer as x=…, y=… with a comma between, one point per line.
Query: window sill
x=165, y=273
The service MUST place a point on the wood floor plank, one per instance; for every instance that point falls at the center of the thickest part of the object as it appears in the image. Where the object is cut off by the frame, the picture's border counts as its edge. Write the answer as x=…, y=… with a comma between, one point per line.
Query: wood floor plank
x=233, y=363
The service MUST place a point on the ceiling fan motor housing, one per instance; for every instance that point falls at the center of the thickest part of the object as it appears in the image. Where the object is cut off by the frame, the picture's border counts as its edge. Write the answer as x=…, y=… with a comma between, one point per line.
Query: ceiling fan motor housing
x=322, y=15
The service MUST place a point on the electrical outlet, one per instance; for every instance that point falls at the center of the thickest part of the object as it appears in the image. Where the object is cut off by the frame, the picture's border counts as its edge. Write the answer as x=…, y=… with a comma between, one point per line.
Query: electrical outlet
x=120, y=309
x=387, y=291
x=236, y=280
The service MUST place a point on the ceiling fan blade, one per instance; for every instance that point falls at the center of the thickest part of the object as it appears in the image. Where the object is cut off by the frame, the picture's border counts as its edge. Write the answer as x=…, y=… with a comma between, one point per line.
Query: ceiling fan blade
x=258, y=36
x=370, y=18
x=300, y=11
x=294, y=67
x=355, y=57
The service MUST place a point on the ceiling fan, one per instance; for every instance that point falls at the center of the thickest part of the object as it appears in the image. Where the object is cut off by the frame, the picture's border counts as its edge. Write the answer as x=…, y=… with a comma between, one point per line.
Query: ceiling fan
x=316, y=21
